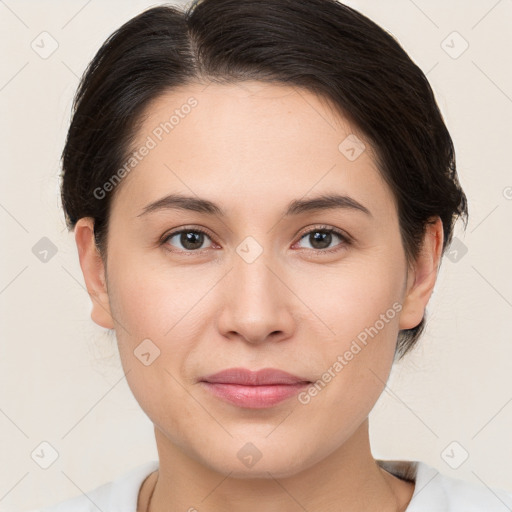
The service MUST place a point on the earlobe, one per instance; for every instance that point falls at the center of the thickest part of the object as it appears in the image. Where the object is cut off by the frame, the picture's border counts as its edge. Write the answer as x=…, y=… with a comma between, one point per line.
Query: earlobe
x=94, y=272
x=422, y=276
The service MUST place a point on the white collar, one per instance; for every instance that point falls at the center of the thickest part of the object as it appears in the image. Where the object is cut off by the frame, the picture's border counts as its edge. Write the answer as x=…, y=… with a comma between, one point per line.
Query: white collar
x=433, y=491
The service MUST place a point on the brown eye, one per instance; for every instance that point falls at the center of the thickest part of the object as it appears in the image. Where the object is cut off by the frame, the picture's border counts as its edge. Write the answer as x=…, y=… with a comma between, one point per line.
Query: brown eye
x=320, y=239
x=189, y=239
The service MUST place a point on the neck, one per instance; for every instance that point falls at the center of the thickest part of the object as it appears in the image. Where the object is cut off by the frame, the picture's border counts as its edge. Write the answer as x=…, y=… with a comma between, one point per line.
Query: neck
x=347, y=479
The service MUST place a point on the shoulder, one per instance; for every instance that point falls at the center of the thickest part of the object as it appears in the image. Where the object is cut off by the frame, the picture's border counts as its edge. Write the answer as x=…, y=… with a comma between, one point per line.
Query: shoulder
x=470, y=497
x=119, y=495
x=435, y=491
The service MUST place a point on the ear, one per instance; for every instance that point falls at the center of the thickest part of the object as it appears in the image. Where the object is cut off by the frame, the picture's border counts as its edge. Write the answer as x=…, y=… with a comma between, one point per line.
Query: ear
x=422, y=275
x=93, y=271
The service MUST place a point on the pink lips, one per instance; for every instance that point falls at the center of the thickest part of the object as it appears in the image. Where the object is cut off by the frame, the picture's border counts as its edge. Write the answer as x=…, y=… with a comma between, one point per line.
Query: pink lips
x=254, y=390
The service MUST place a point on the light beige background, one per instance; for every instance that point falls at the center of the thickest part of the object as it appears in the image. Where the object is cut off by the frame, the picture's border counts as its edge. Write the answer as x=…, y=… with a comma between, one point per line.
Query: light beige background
x=60, y=378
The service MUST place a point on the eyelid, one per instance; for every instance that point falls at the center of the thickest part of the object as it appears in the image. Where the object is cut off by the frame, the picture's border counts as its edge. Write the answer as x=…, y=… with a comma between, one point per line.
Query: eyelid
x=325, y=227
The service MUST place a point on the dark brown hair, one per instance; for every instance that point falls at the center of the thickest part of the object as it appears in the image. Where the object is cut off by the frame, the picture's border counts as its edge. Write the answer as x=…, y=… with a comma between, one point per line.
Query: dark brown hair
x=319, y=45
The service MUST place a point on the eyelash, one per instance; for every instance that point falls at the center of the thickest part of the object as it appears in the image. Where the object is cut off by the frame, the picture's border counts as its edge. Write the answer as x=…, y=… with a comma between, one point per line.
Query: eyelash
x=345, y=239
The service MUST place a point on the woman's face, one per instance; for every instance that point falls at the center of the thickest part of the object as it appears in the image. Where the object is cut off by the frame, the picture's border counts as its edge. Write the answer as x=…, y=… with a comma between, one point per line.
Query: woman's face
x=267, y=286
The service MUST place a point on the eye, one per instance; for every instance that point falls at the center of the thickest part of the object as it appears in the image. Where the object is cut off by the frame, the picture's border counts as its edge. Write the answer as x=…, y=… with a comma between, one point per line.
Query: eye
x=191, y=239
x=320, y=238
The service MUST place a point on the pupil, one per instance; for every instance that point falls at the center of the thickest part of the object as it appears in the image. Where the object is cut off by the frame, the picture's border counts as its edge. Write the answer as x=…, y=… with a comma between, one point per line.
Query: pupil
x=322, y=238
x=189, y=239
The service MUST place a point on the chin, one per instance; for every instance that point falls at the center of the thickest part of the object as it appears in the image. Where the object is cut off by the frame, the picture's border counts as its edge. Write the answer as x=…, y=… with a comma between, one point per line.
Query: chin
x=260, y=460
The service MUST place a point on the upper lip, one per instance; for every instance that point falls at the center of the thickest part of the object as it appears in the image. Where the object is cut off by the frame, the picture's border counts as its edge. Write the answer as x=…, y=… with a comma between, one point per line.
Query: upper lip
x=243, y=376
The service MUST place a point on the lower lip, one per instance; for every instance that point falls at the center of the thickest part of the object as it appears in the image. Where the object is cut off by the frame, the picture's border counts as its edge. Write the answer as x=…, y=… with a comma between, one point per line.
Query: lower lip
x=254, y=397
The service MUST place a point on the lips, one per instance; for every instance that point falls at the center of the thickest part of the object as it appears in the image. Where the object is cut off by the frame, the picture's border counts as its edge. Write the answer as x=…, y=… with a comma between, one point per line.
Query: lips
x=253, y=389
x=245, y=377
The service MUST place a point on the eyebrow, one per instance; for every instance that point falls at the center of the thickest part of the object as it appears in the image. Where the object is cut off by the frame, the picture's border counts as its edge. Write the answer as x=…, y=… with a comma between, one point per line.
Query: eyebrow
x=295, y=207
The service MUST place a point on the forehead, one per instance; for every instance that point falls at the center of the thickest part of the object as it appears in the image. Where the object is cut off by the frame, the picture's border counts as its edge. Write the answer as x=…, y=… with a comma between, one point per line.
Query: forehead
x=250, y=140
x=276, y=105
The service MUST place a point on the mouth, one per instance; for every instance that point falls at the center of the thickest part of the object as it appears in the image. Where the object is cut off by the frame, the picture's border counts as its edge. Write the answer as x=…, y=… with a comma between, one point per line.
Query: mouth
x=254, y=389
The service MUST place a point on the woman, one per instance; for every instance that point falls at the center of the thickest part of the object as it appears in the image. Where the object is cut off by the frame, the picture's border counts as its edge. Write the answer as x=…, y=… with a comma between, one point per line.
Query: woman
x=261, y=193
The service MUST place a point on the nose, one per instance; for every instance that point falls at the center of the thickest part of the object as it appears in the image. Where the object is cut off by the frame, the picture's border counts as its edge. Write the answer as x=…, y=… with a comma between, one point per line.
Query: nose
x=256, y=304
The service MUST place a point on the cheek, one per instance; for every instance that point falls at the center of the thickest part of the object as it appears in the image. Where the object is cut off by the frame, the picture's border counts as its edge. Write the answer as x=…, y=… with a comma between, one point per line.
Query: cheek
x=160, y=319
x=154, y=302
x=356, y=366
x=156, y=331
x=352, y=297
x=362, y=314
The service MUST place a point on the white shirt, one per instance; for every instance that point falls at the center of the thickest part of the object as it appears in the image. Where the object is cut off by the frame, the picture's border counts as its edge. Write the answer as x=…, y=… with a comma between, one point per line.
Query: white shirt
x=433, y=492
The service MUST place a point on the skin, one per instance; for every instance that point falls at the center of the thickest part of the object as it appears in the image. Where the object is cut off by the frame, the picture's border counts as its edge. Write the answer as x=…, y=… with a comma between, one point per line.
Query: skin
x=252, y=148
